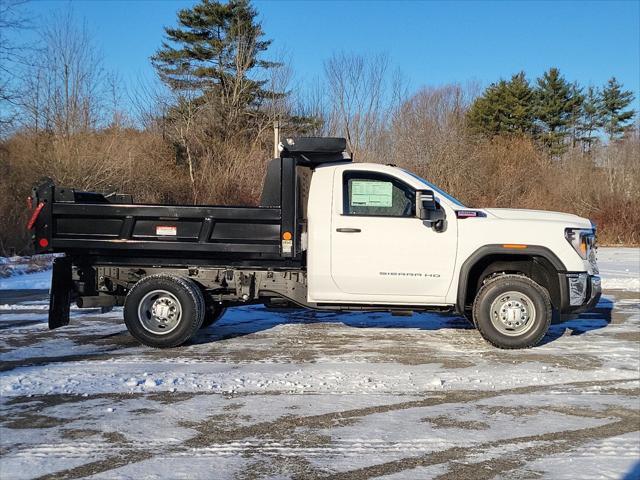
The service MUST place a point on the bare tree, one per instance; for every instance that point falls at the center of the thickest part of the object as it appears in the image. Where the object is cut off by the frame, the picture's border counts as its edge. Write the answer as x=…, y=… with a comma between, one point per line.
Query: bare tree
x=619, y=163
x=358, y=96
x=429, y=136
x=12, y=56
x=64, y=90
x=276, y=105
x=312, y=101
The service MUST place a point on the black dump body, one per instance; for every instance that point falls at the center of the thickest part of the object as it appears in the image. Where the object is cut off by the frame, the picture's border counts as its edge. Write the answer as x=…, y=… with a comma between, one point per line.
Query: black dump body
x=78, y=223
x=114, y=229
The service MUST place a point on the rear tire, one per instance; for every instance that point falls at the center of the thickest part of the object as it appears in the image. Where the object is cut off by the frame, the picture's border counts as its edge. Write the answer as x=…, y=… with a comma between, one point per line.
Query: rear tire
x=164, y=311
x=512, y=311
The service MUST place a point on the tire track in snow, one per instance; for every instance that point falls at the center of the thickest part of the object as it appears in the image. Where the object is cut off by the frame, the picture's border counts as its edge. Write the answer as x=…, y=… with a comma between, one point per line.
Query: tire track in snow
x=212, y=436
x=558, y=442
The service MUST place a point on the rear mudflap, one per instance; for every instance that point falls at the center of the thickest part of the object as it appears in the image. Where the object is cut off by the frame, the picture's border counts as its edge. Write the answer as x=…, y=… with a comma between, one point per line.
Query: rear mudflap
x=60, y=294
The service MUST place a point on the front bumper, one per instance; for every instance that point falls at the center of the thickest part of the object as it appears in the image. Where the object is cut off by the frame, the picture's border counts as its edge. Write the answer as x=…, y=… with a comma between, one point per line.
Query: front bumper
x=573, y=300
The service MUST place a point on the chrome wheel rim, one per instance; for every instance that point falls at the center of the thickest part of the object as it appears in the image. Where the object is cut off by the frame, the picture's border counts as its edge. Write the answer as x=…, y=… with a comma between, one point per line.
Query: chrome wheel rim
x=513, y=313
x=160, y=312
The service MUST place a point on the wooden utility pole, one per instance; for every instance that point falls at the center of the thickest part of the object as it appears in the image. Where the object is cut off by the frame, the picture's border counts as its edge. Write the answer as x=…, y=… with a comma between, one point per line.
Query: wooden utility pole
x=276, y=138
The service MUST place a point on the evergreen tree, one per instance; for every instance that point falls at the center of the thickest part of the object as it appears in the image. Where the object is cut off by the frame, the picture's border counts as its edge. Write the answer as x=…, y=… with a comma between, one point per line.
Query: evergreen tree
x=589, y=120
x=576, y=113
x=214, y=56
x=615, y=119
x=504, y=108
x=557, y=103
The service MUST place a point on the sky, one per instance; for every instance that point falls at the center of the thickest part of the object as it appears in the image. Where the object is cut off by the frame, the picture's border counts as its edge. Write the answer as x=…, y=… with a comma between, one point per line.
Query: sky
x=431, y=42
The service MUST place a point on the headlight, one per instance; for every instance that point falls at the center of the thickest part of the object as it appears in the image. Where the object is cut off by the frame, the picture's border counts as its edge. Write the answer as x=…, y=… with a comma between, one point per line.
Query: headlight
x=582, y=240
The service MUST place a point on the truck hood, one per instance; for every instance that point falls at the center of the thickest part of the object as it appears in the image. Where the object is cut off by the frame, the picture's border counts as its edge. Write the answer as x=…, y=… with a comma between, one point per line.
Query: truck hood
x=539, y=215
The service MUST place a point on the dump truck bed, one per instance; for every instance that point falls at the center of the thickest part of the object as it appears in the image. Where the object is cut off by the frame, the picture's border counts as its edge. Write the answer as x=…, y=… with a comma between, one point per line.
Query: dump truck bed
x=88, y=223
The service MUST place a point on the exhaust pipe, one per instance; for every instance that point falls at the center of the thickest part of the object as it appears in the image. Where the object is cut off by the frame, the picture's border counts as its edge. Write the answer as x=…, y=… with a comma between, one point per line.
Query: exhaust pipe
x=97, y=301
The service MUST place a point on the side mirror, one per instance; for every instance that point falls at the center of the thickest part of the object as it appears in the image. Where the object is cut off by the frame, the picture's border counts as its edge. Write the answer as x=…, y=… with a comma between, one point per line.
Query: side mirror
x=429, y=210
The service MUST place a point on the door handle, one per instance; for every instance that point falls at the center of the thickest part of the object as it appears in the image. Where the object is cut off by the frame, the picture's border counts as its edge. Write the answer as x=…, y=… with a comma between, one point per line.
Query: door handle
x=348, y=230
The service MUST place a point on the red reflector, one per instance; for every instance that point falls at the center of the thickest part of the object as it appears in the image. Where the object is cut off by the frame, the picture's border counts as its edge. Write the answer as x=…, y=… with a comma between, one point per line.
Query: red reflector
x=34, y=215
x=30, y=203
x=43, y=242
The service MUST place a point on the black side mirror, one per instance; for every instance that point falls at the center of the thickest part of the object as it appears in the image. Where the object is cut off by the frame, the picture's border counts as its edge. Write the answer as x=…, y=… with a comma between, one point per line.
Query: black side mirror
x=429, y=210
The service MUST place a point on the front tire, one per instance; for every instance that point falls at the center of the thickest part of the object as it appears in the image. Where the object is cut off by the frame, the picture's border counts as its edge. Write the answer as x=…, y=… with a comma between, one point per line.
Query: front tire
x=164, y=311
x=512, y=311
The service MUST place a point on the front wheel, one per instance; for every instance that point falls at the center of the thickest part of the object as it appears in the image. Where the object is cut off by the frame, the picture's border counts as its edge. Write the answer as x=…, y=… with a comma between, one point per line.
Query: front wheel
x=512, y=311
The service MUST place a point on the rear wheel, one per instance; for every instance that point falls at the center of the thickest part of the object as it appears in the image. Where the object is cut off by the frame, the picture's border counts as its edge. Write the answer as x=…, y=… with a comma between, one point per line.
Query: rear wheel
x=512, y=311
x=164, y=311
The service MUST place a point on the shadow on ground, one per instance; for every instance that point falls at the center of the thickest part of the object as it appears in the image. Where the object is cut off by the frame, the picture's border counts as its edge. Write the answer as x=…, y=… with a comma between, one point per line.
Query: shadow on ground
x=599, y=317
x=230, y=326
x=633, y=473
x=242, y=321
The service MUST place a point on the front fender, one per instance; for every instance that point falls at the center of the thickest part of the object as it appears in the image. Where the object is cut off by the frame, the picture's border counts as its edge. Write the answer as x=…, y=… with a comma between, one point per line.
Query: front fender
x=494, y=249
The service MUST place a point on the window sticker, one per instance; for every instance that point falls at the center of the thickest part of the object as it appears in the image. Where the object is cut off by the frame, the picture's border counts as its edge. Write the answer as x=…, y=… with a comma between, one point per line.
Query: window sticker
x=371, y=193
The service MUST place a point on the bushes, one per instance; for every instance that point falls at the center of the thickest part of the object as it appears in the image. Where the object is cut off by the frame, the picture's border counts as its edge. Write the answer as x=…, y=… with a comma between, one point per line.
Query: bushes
x=618, y=221
x=142, y=163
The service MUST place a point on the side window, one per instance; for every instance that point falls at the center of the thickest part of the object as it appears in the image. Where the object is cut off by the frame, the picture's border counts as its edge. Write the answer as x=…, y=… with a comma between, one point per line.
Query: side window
x=369, y=193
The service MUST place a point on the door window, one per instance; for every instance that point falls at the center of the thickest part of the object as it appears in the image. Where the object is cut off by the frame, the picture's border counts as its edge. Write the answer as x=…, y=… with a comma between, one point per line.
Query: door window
x=375, y=194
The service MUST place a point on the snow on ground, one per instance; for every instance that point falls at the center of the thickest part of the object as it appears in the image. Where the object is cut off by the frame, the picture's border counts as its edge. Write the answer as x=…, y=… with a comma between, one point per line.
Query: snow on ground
x=27, y=281
x=620, y=268
x=25, y=273
x=321, y=395
x=357, y=370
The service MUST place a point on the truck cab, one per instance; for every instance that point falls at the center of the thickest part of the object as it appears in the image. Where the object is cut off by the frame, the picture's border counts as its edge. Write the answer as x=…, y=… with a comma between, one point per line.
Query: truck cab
x=330, y=234
x=367, y=238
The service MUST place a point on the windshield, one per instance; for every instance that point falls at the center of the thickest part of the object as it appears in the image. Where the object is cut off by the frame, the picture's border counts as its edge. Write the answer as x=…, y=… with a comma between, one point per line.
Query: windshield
x=431, y=186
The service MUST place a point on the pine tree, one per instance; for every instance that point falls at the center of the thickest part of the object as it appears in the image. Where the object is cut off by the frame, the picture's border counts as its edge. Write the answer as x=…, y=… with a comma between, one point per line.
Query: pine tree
x=557, y=102
x=214, y=55
x=615, y=119
x=484, y=116
x=576, y=113
x=519, y=101
x=504, y=108
x=589, y=120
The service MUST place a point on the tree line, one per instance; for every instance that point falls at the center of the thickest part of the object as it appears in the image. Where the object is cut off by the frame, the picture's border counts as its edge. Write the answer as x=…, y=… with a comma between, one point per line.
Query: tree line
x=558, y=114
x=202, y=133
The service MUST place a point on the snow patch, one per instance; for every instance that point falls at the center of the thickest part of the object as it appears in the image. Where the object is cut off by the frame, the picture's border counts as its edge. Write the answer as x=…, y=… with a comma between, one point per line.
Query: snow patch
x=620, y=268
x=27, y=281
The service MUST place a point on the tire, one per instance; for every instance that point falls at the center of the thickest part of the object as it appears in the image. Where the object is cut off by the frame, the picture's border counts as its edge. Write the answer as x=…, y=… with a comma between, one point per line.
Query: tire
x=178, y=302
x=512, y=311
x=213, y=312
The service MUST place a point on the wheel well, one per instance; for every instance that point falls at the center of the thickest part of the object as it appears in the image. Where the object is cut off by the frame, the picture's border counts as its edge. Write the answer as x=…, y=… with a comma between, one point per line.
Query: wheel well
x=537, y=268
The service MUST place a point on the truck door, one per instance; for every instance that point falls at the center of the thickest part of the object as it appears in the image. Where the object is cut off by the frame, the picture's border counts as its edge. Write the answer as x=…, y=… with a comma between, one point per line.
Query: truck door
x=380, y=250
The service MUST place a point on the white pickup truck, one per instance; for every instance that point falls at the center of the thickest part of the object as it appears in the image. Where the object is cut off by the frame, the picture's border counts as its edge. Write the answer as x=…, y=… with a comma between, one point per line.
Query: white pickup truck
x=329, y=234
